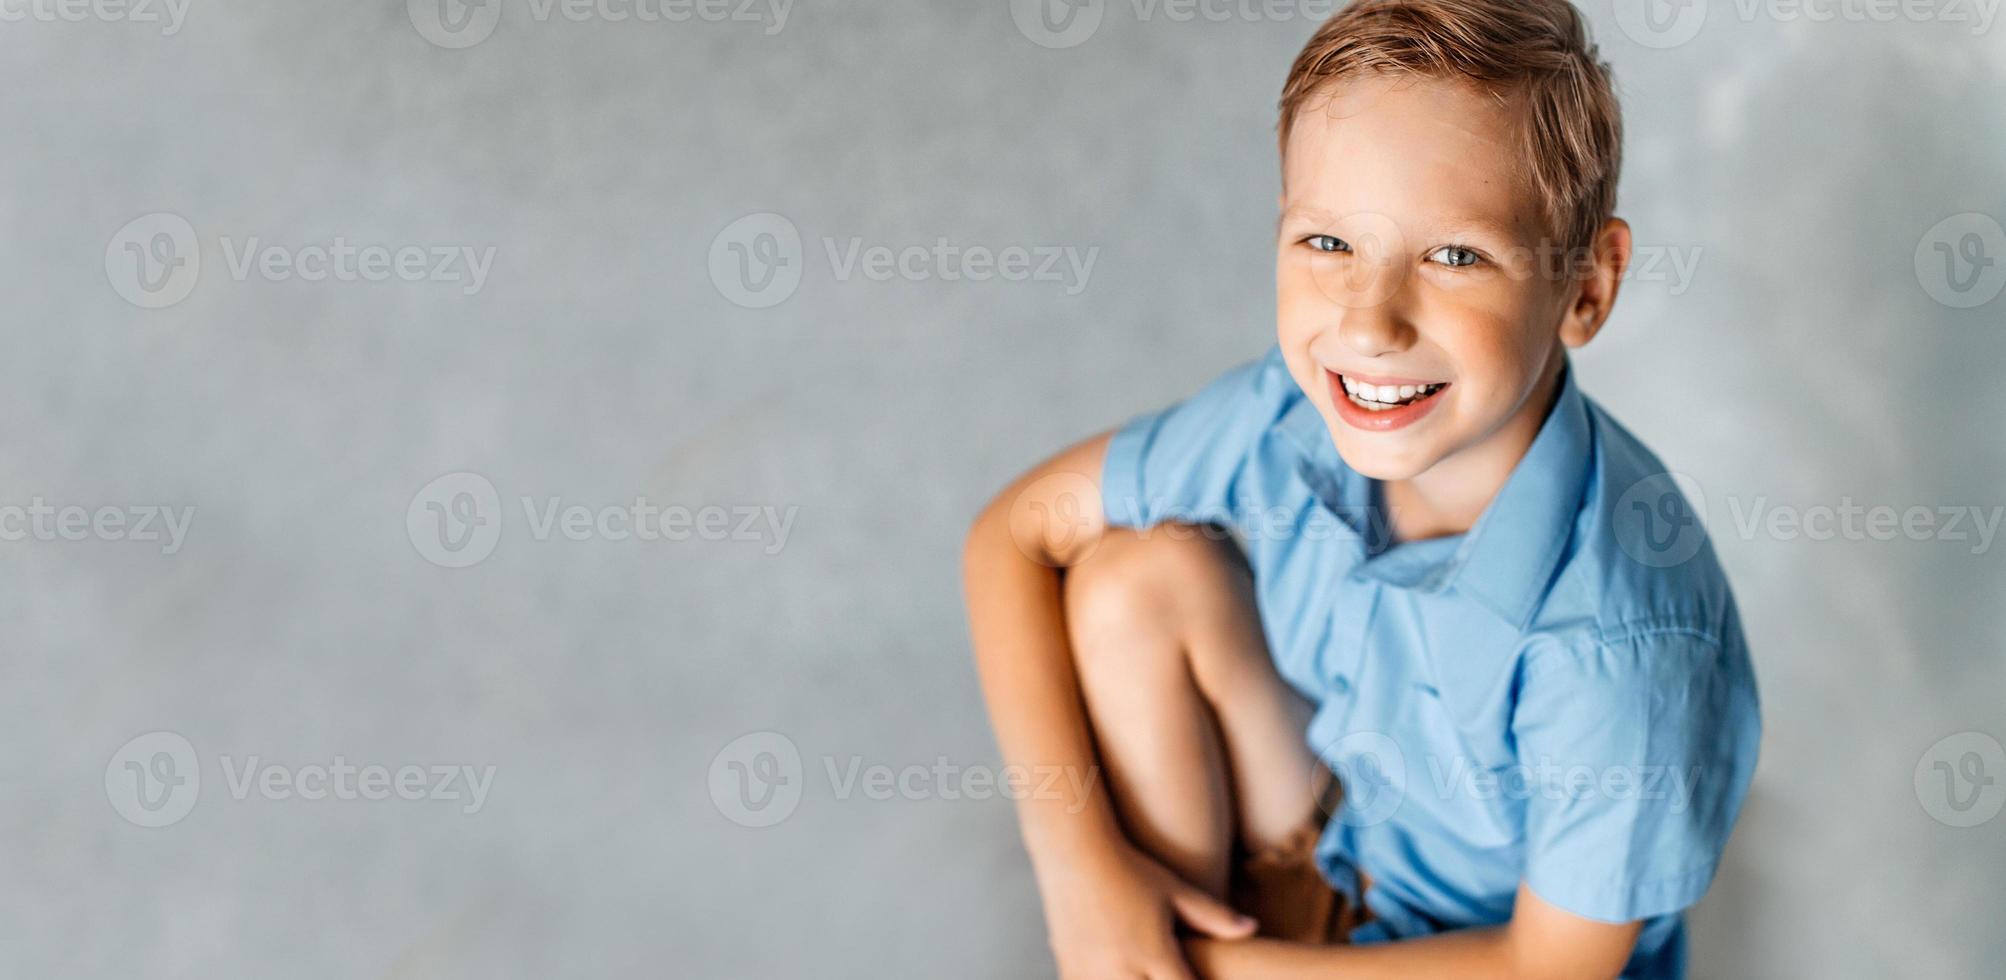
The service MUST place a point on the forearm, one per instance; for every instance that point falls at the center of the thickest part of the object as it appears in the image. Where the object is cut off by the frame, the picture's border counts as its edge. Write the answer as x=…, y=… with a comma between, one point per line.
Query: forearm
x=1468, y=954
x=1017, y=621
x=1541, y=942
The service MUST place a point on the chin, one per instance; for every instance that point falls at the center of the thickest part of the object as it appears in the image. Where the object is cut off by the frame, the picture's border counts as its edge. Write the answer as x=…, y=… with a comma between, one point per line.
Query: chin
x=1377, y=463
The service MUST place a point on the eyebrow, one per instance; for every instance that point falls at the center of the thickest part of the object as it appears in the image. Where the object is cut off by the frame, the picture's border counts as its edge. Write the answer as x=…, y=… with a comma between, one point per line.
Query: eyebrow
x=1456, y=223
x=1503, y=229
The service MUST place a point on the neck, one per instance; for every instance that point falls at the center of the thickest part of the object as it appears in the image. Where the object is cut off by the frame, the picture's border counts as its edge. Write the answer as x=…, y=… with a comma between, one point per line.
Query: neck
x=1447, y=498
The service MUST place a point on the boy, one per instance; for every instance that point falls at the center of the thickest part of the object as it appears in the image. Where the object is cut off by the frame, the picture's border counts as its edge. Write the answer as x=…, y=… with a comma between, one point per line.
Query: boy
x=1448, y=590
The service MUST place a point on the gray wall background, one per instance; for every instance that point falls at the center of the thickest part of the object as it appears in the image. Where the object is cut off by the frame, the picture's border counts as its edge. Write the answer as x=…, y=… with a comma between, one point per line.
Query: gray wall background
x=1805, y=362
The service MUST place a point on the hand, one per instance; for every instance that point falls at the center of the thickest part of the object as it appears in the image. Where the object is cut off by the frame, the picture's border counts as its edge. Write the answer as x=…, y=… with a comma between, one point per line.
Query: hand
x=1117, y=915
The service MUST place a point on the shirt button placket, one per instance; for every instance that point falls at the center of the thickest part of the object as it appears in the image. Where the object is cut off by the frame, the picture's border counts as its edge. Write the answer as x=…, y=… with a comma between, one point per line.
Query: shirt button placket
x=1351, y=619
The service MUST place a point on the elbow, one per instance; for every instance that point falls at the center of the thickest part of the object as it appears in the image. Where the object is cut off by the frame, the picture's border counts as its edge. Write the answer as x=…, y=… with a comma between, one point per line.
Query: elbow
x=989, y=529
x=980, y=529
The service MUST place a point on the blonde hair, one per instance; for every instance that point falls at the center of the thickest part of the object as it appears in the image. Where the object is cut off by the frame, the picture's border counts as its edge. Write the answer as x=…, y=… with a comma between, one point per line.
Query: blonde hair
x=1535, y=51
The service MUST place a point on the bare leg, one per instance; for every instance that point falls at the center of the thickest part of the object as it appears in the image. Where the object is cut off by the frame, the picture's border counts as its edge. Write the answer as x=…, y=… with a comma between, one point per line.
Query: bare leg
x=1201, y=739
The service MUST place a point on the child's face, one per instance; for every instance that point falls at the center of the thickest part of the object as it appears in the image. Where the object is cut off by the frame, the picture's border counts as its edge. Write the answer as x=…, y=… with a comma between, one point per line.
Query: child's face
x=1409, y=257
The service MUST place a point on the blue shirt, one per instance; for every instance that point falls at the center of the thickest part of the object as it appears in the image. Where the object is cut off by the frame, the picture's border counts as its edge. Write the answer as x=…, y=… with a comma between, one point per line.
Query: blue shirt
x=1561, y=696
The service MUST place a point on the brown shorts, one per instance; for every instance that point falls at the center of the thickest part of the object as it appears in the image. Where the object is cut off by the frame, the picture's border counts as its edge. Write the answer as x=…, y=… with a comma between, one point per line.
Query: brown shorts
x=1284, y=889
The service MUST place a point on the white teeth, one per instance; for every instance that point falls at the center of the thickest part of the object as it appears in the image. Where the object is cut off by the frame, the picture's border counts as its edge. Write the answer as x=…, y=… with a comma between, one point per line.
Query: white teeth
x=1380, y=398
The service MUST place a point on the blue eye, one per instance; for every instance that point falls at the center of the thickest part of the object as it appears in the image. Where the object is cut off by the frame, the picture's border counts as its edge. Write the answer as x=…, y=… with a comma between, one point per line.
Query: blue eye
x=1327, y=243
x=1454, y=256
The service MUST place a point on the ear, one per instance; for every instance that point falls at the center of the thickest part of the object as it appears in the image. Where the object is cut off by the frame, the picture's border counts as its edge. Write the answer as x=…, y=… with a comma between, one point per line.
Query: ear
x=1608, y=259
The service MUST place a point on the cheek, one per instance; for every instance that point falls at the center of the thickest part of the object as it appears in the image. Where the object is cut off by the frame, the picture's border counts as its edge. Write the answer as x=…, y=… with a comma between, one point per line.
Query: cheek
x=1299, y=318
x=1298, y=303
x=1493, y=336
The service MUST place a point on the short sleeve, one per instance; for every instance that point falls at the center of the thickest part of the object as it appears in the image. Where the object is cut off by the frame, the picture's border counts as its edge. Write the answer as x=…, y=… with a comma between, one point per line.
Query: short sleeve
x=1642, y=751
x=1186, y=462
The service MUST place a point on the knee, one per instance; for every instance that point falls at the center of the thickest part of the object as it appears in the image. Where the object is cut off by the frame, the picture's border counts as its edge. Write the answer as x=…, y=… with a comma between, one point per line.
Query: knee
x=1137, y=593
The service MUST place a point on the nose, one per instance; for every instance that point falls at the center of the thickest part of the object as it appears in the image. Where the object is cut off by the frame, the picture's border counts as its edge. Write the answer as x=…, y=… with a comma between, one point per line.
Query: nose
x=1373, y=329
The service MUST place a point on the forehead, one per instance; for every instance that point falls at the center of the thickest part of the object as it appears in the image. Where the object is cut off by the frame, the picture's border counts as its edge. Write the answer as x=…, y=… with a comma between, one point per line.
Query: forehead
x=1416, y=149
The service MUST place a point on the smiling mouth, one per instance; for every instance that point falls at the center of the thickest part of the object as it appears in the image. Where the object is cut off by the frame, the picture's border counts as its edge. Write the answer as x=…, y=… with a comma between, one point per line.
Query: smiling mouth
x=1385, y=398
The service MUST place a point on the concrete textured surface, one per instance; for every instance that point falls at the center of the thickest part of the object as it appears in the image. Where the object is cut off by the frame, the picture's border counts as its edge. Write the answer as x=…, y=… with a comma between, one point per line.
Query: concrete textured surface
x=414, y=324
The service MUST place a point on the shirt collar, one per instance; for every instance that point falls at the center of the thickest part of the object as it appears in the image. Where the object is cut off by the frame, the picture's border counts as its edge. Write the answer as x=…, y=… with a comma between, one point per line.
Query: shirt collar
x=1341, y=491
x=1507, y=559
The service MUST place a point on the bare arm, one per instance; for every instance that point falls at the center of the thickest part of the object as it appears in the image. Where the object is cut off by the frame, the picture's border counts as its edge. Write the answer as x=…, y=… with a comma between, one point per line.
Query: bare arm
x=1541, y=942
x=1112, y=911
x=1048, y=519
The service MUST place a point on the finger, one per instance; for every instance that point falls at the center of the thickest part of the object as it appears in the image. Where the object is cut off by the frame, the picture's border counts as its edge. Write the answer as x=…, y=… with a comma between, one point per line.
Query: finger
x=1210, y=916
